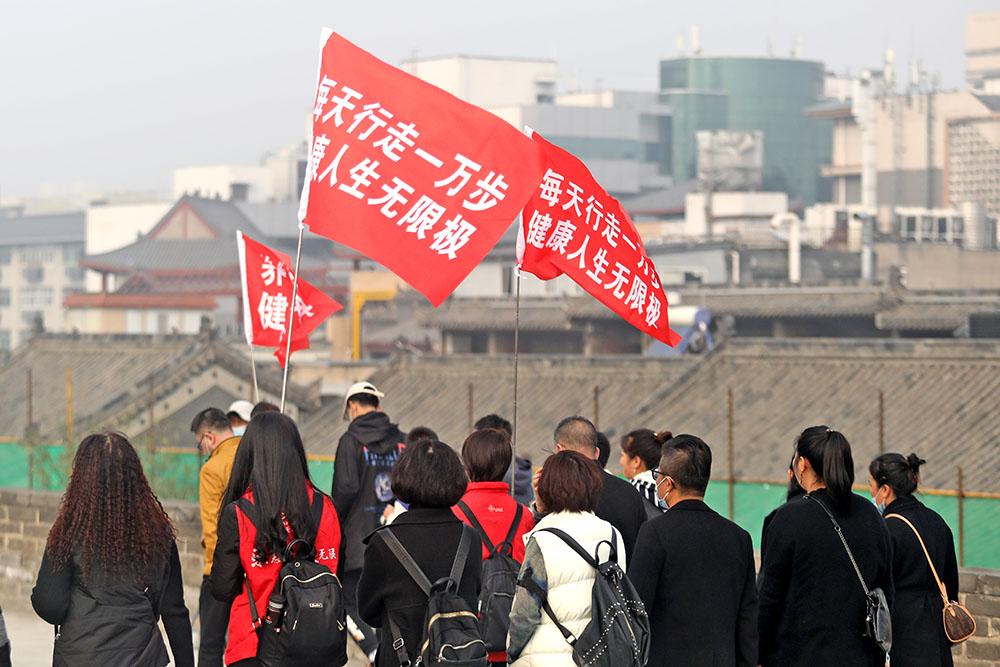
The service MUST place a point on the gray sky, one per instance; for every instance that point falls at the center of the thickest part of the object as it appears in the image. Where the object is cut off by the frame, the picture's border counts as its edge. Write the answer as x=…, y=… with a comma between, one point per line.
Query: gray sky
x=114, y=95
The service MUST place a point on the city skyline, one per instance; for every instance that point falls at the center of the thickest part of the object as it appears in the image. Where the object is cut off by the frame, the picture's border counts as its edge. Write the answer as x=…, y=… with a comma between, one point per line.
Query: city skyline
x=223, y=83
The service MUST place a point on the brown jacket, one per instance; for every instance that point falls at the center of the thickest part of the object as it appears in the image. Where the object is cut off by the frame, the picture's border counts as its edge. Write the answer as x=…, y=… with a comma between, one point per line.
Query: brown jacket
x=212, y=483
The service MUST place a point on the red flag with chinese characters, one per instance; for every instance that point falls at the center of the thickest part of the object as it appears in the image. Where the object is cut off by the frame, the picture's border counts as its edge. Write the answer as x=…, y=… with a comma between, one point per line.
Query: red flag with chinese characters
x=572, y=226
x=407, y=174
x=268, y=277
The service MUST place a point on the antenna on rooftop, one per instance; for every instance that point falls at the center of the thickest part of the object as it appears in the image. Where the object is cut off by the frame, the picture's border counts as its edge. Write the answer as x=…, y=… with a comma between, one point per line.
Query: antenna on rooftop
x=680, y=44
x=695, y=40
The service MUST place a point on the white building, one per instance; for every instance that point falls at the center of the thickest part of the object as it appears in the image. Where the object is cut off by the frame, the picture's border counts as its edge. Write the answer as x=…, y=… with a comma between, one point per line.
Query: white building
x=622, y=136
x=278, y=178
x=39, y=268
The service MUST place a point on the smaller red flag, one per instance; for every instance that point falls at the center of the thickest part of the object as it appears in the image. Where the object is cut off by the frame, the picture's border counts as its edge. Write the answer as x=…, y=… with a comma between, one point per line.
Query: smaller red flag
x=268, y=280
x=572, y=225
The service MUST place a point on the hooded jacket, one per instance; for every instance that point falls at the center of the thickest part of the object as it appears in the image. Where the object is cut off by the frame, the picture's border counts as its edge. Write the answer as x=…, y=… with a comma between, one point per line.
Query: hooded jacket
x=361, y=481
x=520, y=475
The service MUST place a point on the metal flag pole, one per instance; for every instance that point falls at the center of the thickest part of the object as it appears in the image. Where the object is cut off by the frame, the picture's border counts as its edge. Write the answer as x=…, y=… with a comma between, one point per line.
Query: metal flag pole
x=291, y=316
x=517, y=335
x=253, y=373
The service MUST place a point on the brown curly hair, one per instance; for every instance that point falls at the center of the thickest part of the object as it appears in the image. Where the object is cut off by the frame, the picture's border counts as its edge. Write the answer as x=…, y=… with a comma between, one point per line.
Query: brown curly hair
x=110, y=521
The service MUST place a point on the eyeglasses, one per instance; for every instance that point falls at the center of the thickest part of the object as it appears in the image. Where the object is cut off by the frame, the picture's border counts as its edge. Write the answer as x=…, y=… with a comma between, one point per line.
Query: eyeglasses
x=657, y=473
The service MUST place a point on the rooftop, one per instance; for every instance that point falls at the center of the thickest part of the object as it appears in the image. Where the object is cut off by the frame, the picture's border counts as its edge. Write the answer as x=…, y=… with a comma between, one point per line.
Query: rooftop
x=42, y=229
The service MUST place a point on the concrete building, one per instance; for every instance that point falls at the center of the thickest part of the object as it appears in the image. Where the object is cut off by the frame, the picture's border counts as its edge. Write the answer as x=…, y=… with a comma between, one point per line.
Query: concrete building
x=489, y=81
x=763, y=94
x=278, y=178
x=39, y=268
x=982, y=52
x=622, y=136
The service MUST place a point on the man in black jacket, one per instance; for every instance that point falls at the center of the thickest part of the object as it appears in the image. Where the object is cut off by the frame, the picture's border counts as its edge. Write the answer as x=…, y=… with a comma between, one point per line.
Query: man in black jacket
x=694, y=569
x=362, y=487
x=620, y=504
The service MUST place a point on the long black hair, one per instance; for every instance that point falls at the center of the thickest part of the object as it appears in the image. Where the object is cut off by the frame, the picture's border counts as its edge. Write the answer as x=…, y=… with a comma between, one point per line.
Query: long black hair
x=271, y=462
x=829, y=454
x=902, y=474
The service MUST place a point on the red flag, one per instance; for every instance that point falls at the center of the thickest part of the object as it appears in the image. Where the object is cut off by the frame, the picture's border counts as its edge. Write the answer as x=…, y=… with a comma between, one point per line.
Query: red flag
x=572, y=226
x=268, y=278
x=408, y=174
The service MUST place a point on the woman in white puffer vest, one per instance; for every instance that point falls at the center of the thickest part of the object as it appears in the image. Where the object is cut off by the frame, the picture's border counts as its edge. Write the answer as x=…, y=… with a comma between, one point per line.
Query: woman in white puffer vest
x=568, y=488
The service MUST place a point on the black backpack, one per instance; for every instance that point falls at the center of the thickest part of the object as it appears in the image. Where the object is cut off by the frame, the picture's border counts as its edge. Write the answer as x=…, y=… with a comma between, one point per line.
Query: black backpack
x=499, y=582
x=305, y=622
x=618, y=632
x=451, y=630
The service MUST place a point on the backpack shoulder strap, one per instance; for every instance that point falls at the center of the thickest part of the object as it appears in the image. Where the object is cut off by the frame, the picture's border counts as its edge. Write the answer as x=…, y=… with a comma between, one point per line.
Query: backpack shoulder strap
x=573, y=544
x=515, y=524
x=526, y=581
x=944, y=593
x=462, y=555
x=467, y=511
x=405, y=559
x=840, y=534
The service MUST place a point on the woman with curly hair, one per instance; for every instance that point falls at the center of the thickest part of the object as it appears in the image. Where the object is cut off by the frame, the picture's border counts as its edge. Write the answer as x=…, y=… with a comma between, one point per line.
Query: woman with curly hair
x=110, y=569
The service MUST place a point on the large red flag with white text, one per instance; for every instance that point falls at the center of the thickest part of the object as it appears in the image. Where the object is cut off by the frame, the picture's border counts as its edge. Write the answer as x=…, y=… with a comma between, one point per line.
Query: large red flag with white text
x=407, y=174
x=268, y=277
x=573, y=226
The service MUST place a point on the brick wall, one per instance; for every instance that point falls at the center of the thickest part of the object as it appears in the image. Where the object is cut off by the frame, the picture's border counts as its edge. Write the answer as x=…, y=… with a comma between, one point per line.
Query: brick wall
x=25, y=518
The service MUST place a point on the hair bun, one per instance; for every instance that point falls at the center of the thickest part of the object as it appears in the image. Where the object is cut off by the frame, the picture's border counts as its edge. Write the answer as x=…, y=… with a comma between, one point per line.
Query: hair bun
x=914, y=462
x=662, y=436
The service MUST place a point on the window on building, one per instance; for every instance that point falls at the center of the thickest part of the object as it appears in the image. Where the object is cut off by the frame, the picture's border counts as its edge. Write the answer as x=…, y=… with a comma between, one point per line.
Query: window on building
x=33, y=274
x=36, y=255
x=72, y=253
x=34, y=297
x=4, y=296
x=942, y=228
x=29, y=317
x=910, y=227
x=74, y=274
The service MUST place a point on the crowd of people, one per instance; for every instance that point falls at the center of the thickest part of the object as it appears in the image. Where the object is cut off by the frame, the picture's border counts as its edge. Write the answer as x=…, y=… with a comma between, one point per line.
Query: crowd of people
x=413, y=524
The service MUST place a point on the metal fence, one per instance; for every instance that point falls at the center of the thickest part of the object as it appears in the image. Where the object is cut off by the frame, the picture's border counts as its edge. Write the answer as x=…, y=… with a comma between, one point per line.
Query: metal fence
x=974, y=517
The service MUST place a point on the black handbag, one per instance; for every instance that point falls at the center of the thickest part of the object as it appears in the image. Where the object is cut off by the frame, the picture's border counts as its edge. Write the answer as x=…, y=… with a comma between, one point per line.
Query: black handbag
x=878, y=621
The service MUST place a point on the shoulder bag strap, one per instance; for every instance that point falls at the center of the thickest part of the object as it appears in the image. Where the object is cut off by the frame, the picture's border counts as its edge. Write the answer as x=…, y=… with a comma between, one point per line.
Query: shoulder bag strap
x=509, y=539
x=464, y=544
x=254, y=616
x=467, y=511
x=406, y=560
x=572, y=544
x=840, y=534
x=944, y=591
x=526, y=581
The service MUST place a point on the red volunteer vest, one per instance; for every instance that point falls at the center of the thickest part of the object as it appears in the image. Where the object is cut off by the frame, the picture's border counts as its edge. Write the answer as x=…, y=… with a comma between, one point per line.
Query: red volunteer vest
x=242, y=643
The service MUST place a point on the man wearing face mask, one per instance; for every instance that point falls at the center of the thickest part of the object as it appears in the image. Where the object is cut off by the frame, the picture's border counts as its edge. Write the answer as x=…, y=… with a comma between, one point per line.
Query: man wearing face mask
x=694, y=569
x=216, y=441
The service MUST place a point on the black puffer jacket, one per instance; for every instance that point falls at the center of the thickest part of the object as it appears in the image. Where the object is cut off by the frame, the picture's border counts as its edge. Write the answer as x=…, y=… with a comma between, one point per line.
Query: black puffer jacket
x=361, y=484
x=111, y=623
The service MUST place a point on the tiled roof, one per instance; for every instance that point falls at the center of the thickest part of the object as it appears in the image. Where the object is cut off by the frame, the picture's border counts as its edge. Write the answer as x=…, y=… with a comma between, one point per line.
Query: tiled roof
x=149, y=254
x=434, y=392
x=940, y=402
x=667, y=200
x=933, y=315
x=42, y=229
x=111, y=377
x=498, y=314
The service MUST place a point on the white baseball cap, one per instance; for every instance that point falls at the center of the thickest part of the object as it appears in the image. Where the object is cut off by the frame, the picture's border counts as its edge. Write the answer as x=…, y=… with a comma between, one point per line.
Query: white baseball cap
x=361, y=388
x=242, y=409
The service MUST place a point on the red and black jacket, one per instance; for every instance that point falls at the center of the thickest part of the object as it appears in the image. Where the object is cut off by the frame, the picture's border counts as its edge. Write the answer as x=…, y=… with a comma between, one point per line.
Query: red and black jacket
x=234, y=559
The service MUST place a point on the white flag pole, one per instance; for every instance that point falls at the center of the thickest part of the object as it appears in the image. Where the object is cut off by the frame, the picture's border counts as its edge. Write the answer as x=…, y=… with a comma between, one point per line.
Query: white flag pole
x=241, y=248
x=517, y=332
x=291, y=316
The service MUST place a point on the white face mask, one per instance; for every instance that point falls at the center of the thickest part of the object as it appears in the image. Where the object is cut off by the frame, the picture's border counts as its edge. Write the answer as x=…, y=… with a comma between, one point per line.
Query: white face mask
x=239, y=431
x=660, y=502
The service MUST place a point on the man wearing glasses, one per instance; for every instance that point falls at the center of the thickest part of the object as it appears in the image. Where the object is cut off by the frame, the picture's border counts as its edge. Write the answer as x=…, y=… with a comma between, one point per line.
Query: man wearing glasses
x=216, y=440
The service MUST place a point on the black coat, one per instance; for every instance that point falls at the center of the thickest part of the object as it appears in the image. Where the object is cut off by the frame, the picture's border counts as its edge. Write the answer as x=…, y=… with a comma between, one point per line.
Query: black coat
x=361, y=484
x=812, y=606
x=431, y=537
x=113, y=623
x=917, y=629
x=694, y=571
x=621, y=506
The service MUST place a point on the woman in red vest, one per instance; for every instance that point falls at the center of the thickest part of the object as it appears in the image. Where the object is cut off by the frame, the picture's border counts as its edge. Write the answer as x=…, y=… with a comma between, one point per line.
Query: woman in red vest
x=270, y=471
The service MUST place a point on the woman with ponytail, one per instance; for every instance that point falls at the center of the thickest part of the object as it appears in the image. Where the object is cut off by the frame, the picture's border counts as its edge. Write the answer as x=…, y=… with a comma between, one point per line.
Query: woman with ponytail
x=917, y=628
x=812, y=606
x=641, y=450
